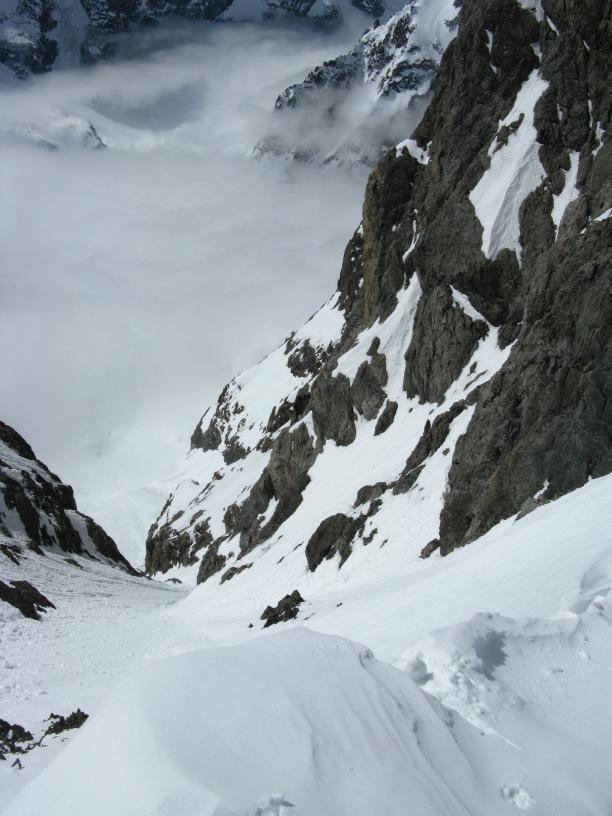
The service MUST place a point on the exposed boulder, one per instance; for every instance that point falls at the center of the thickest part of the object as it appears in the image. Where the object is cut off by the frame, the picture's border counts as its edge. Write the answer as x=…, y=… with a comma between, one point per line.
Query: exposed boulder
x=332, y=409
x=368, y=493
x=14, y=739
x=430, y=548
x=61, y=723
x=285, y=610
x=333, y=535
x=368, y=387
x=385, y=420
x=26, y=598
x=233, y=571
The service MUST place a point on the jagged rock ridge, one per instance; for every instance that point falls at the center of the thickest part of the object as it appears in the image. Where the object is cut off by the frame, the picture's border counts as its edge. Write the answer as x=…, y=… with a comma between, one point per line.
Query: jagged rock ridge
x=462, y=372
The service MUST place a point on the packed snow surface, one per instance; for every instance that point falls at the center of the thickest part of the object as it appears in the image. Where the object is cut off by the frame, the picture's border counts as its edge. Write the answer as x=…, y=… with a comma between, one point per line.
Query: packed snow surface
x=493, y=694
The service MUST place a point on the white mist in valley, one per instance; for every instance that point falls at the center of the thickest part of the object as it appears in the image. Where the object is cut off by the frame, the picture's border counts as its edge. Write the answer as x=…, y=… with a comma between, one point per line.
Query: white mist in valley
x=137, y=279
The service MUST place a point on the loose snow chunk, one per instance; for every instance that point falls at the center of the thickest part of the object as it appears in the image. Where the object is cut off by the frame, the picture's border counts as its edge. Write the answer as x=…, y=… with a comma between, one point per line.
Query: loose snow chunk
x=569, y=192
x=515, y=171
x=422, y=156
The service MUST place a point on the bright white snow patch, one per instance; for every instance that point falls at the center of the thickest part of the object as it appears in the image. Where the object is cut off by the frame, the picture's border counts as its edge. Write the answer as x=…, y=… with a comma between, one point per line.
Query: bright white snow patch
x=569, y=193
x=324, y=327
x=422, y=156
x=413, y=243
x=394, y=334
x=464, y=303
x=515, y=171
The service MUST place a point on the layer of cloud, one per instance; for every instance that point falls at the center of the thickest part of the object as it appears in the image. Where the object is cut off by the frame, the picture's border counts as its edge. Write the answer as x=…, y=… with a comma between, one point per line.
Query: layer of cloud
x=136, y=280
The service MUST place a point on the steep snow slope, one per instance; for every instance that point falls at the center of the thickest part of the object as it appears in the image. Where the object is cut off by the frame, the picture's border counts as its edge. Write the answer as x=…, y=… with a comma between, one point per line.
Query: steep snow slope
x=514, y=710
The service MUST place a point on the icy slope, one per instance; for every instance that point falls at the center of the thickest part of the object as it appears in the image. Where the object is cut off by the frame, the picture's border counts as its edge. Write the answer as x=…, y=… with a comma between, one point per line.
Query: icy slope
x=514, y=711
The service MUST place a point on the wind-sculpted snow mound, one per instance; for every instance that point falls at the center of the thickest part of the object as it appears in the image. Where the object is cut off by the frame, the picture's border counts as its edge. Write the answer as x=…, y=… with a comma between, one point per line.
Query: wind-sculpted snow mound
x=475, y=717
x=296, y=723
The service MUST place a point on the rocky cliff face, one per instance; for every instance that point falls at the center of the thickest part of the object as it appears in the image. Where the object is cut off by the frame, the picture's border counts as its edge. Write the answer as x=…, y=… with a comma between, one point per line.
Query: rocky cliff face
x=462, y=373
x=38, y=511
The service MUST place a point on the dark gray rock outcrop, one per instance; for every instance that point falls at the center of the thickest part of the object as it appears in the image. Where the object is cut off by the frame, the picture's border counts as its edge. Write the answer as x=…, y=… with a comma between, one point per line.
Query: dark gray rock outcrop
x=61, y=723
x=26, y=598
x=333, y=535
x=368, y=388
x=38, y=510
x=285, y=610
x=332, y=409
x=443, y=341
x=14, y=739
